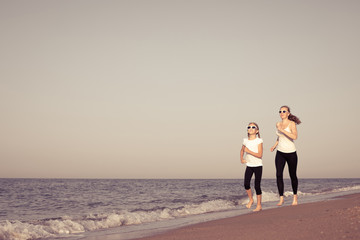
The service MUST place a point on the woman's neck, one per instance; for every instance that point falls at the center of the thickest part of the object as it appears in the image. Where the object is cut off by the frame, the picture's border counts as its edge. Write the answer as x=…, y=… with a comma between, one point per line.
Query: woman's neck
x=285, y=121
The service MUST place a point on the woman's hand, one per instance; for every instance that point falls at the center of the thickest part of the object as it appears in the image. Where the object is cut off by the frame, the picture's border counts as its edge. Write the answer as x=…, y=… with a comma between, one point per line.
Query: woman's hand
x=275, y=145
x=272, y=148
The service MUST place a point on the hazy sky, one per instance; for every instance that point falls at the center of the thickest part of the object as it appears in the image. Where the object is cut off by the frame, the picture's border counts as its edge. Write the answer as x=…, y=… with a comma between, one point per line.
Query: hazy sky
x=165, y=89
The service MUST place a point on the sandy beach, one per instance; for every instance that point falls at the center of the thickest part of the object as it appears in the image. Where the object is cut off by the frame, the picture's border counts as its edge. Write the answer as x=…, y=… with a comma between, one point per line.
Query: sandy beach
x=334, y=219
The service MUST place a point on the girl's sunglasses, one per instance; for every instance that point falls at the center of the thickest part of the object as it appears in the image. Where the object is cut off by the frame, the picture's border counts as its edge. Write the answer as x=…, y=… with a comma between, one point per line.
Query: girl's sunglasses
x=253, y=127
x=282, y=111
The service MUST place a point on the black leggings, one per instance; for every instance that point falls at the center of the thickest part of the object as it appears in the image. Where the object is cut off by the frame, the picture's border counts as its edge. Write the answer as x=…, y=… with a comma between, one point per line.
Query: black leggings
x=248, y=174
x=291, y=159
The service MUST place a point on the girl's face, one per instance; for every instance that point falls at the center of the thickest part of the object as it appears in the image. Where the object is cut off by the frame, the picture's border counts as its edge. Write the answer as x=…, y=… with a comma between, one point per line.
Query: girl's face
x=284, y=113
x=252, y=129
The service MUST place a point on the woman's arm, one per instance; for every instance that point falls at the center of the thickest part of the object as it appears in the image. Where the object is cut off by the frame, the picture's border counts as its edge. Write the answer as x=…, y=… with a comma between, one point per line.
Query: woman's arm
x=293, y=131
x=275, y=145
x=242, y=155
x=258, y=154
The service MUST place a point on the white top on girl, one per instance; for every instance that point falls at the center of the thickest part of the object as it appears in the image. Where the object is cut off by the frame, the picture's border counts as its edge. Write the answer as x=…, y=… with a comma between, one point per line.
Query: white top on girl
x=252, y=145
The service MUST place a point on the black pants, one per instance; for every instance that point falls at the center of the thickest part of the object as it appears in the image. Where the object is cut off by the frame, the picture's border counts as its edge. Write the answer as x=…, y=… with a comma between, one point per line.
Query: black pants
x=291, y=159
x=248, y=174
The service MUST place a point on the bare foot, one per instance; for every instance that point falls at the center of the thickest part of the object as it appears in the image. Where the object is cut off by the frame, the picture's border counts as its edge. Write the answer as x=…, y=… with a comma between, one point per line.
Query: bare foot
x=257, y=209
x=295, y=201
x=281, y=202
x=249, y=203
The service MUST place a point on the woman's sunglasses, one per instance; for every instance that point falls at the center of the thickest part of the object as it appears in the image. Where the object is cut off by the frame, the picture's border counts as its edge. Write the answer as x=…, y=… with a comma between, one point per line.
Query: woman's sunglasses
x=253, y=127
x=282, y=111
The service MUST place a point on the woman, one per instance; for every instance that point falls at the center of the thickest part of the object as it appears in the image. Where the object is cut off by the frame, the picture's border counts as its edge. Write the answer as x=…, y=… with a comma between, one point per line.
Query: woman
x=286, y=151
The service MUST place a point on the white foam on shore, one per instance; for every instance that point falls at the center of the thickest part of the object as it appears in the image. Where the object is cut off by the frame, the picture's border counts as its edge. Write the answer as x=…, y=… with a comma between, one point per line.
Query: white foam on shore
x=68, y=225
x=346, y=189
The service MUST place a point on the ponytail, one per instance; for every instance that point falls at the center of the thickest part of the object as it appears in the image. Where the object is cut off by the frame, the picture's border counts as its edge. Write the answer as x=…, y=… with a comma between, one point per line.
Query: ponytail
x=292, y=117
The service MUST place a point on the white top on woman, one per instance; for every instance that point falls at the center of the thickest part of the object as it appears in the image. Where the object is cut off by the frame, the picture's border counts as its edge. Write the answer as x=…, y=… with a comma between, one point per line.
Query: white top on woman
x=286, y=145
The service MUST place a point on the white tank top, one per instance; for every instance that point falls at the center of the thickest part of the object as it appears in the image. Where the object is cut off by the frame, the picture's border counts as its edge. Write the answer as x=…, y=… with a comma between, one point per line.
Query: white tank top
x=285, y=145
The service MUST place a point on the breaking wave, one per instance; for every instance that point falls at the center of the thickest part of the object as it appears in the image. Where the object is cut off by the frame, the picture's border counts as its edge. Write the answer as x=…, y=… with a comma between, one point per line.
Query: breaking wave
x=68, y=225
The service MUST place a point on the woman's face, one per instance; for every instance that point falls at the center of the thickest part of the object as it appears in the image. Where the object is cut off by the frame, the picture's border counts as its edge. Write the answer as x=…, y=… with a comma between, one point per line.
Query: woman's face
x=284, y=113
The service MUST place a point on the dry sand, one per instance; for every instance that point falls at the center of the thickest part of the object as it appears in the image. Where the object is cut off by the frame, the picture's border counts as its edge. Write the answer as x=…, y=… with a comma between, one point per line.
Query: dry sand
x=331, y=220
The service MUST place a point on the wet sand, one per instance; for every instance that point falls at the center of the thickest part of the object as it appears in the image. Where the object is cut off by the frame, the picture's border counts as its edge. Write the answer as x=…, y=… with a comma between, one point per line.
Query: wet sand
x=331, y=220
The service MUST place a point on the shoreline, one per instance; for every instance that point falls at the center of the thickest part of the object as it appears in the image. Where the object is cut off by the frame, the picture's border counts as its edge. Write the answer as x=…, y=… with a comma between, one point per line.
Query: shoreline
x=338, y=218
x=120, y=212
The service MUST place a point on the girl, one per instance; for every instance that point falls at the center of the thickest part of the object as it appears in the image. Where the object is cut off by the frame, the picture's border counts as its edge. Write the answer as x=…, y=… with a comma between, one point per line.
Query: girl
x=253, y=147
x=286, y=151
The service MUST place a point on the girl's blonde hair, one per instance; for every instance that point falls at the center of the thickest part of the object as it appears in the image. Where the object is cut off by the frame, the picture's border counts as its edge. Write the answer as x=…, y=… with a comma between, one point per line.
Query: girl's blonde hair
x=258, y=133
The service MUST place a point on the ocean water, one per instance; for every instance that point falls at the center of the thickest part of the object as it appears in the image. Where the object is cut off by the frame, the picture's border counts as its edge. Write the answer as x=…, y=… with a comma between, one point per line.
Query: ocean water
x=87, y=208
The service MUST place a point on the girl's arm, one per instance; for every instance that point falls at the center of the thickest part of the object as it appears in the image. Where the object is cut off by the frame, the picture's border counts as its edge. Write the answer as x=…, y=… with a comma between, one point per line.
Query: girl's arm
x=258, y=154
x=242, y=155
x=275, y=145
x=293, y=131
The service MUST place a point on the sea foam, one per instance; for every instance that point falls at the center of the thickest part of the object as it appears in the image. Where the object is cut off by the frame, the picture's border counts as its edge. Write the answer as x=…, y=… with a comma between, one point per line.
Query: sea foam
x=146, y=209
x=68, y=225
